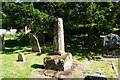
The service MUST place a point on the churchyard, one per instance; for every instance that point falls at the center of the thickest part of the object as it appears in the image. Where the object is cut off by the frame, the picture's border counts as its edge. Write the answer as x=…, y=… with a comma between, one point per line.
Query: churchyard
x=30, y=69
x=18, y=61
x=60, y=40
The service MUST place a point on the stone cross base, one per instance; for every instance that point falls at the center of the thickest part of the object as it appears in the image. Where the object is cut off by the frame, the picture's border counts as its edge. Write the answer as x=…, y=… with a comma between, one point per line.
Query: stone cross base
x=60, y=63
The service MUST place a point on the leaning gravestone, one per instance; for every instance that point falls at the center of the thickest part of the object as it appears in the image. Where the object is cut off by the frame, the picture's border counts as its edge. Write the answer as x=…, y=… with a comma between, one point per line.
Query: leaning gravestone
x=34, y=43
x=111, y=43
x=61, y=61
x=21, y=57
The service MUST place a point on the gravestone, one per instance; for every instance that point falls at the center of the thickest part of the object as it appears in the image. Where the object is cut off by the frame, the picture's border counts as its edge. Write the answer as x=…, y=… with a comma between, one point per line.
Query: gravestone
x=58, y=41
x=34, y=43
x=96, y=76
x=111, y=43
x=2, y=42
x=61, y=61
x=21, y=57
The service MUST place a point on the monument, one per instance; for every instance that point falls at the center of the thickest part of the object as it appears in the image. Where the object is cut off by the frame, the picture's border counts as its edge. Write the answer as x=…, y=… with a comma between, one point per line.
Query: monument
x=111, y=43
x=58, y=40
x=61, y=60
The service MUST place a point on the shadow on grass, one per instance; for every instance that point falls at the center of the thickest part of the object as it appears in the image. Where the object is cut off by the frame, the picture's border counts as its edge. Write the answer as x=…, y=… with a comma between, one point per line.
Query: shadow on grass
x=37, y=66
x=75, y=44
x=17, y=49
x=11, y=50
x=48, y=48
x=78, y=46
x=14, y=46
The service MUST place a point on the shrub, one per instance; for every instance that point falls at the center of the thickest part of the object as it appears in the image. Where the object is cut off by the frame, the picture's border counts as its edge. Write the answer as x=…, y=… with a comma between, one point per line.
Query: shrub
x=20, y=39
x=23, y=38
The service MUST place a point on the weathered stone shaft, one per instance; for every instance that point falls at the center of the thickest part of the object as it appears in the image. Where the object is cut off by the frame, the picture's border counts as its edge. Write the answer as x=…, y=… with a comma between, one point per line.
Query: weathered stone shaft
x=58, y=40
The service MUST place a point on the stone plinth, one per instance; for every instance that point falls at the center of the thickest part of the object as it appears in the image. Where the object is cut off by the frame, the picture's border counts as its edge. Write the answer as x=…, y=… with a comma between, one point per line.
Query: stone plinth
x=60, y=63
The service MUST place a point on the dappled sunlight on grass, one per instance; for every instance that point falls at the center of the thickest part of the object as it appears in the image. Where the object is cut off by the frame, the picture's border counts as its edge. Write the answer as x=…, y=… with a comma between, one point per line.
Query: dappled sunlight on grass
x=74, y=44
x=16, y=49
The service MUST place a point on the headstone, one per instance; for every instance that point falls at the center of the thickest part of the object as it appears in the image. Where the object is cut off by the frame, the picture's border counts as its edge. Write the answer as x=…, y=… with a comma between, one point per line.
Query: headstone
x=111, y=43
x=96, y=76
x=61, y=63
x=2, y=42
x=58, y=41
x=34, y=43
x=21, y=57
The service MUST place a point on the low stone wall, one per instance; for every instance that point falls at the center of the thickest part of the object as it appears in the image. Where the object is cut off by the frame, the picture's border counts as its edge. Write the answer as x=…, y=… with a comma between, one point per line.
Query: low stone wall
x=58, y=62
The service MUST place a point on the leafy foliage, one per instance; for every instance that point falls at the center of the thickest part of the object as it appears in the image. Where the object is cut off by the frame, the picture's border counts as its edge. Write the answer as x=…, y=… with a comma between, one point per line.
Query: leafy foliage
x=75, y=15
x=82, y=18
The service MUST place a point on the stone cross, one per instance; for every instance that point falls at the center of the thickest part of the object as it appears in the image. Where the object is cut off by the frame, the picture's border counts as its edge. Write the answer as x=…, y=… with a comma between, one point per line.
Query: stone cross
x=58, y=40
x=62, y=61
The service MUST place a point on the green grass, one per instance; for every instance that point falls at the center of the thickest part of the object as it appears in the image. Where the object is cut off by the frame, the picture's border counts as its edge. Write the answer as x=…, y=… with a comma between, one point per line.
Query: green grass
x=103, y=66
x=117, y=64
x=13, y=69
x=8, y=61
x=0, y=65
x=115, y=29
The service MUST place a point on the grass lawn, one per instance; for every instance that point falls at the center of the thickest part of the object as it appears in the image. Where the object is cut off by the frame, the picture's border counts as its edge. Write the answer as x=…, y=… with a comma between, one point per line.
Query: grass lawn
x=13, y=69
x=9, y=68
x=104, y=66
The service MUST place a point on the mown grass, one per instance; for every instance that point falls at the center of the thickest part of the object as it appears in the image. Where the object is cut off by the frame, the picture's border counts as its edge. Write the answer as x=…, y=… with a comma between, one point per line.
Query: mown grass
x=0, y=65
x=10, y=68
x=103, y=67
x=13, y=69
